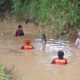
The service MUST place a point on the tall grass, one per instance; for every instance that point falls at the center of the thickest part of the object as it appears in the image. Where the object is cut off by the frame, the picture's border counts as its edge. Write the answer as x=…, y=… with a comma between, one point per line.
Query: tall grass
x=51, y=12
x=55, y=12
x=5, y=74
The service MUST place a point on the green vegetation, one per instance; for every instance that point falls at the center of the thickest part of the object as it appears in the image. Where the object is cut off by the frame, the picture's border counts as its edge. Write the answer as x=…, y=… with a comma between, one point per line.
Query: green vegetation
x=4, y=73
x=50, y=12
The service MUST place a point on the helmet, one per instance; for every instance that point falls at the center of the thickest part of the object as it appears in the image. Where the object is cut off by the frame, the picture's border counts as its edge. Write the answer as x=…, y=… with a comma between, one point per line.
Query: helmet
x=27, y=41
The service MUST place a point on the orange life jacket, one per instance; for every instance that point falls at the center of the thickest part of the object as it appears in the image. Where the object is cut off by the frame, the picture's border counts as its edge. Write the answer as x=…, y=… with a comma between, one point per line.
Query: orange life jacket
x=28, y=47
x=59, y=61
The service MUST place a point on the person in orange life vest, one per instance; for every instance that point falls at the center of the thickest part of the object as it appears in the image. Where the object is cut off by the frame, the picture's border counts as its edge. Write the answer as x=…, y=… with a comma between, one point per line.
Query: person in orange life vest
x=19, y=32
x=27, y=45
x=60, y=59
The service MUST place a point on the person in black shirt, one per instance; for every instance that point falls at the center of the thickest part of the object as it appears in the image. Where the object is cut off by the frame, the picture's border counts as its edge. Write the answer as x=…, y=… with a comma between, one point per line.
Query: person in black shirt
x=19, y=32
x=43, y=37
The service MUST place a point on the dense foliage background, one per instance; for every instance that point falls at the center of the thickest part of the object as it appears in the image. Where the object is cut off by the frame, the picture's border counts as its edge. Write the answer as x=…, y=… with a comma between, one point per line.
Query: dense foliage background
x=50, y=12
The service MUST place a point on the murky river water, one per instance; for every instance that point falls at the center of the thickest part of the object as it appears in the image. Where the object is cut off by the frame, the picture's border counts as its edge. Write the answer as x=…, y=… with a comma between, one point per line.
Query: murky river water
x=35, y=64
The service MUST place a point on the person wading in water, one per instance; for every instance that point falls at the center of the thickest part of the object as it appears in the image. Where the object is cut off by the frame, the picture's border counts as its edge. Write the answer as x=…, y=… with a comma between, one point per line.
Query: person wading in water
x=43, y=40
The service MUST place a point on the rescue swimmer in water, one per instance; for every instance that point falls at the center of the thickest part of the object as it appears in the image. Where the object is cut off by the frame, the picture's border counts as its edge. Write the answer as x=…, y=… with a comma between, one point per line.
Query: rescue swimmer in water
x=60, y=59
x=27, y=45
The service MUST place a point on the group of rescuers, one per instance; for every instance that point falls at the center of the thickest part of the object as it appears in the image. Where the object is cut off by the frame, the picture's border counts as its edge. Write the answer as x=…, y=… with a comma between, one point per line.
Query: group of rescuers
x=27, y=46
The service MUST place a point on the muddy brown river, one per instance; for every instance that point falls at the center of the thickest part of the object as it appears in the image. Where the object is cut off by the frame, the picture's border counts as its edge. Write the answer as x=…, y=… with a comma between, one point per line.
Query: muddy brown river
x=33, y=65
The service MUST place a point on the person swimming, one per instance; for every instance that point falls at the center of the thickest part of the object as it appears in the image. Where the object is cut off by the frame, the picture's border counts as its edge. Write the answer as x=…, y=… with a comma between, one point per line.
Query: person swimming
x=27, y=45
x=60, y=59
x=19, y=32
